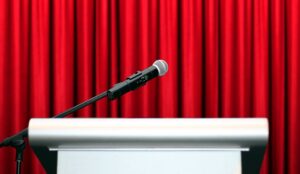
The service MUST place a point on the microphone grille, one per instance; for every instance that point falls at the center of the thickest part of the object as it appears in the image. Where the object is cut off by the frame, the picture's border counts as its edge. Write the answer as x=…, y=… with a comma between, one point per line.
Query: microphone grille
x=161, y=66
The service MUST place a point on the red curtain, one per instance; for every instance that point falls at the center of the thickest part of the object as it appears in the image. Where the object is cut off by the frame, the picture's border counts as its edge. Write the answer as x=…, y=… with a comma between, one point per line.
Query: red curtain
x=227, y=58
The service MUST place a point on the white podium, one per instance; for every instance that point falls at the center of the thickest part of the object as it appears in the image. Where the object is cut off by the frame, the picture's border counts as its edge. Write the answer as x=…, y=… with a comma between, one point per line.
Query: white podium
x=149, y=146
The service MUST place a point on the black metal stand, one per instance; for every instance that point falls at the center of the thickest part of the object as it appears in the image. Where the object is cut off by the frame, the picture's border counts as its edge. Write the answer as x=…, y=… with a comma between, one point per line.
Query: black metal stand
x=132, y=82
x=17, y=141
x=19, y=146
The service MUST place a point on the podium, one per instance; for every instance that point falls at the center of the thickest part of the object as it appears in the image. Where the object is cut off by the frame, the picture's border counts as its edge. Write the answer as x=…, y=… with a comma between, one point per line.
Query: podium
x=149, y=146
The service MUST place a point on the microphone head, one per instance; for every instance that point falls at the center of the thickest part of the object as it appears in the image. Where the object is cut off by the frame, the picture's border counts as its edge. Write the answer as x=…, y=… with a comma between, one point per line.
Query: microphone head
x=161, y=66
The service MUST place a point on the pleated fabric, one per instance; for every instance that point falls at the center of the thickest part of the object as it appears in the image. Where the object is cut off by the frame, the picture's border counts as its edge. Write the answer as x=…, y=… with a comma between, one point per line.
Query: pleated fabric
x=227, y=58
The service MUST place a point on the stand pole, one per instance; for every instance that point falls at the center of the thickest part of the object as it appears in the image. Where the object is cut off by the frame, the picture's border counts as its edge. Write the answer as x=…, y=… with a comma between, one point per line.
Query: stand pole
x=19, y=146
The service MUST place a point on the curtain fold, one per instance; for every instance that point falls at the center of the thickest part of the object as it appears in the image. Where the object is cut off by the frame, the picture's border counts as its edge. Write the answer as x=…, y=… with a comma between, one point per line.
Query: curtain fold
x=227, y=58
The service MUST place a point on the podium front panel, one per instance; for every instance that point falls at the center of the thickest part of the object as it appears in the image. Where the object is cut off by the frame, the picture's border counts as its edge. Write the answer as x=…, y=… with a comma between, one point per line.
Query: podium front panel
x=149, y=162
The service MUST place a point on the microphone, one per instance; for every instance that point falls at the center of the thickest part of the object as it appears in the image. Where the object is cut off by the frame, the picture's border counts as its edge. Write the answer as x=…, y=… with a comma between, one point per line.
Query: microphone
x=158, y=68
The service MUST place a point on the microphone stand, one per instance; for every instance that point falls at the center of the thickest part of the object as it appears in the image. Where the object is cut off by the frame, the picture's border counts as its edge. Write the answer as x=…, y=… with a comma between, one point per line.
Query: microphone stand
x=136, y=80
x=17, y=141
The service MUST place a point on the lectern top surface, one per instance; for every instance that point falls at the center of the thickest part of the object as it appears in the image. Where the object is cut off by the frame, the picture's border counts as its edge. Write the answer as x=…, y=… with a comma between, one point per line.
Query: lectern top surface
x=148, y=133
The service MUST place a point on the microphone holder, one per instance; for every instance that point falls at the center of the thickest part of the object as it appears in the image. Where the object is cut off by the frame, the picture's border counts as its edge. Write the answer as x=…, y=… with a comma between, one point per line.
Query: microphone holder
x=18, y=143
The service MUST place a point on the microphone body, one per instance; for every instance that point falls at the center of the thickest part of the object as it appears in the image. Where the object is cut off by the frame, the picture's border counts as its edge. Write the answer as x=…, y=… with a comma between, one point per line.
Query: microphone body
x=138, y=79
